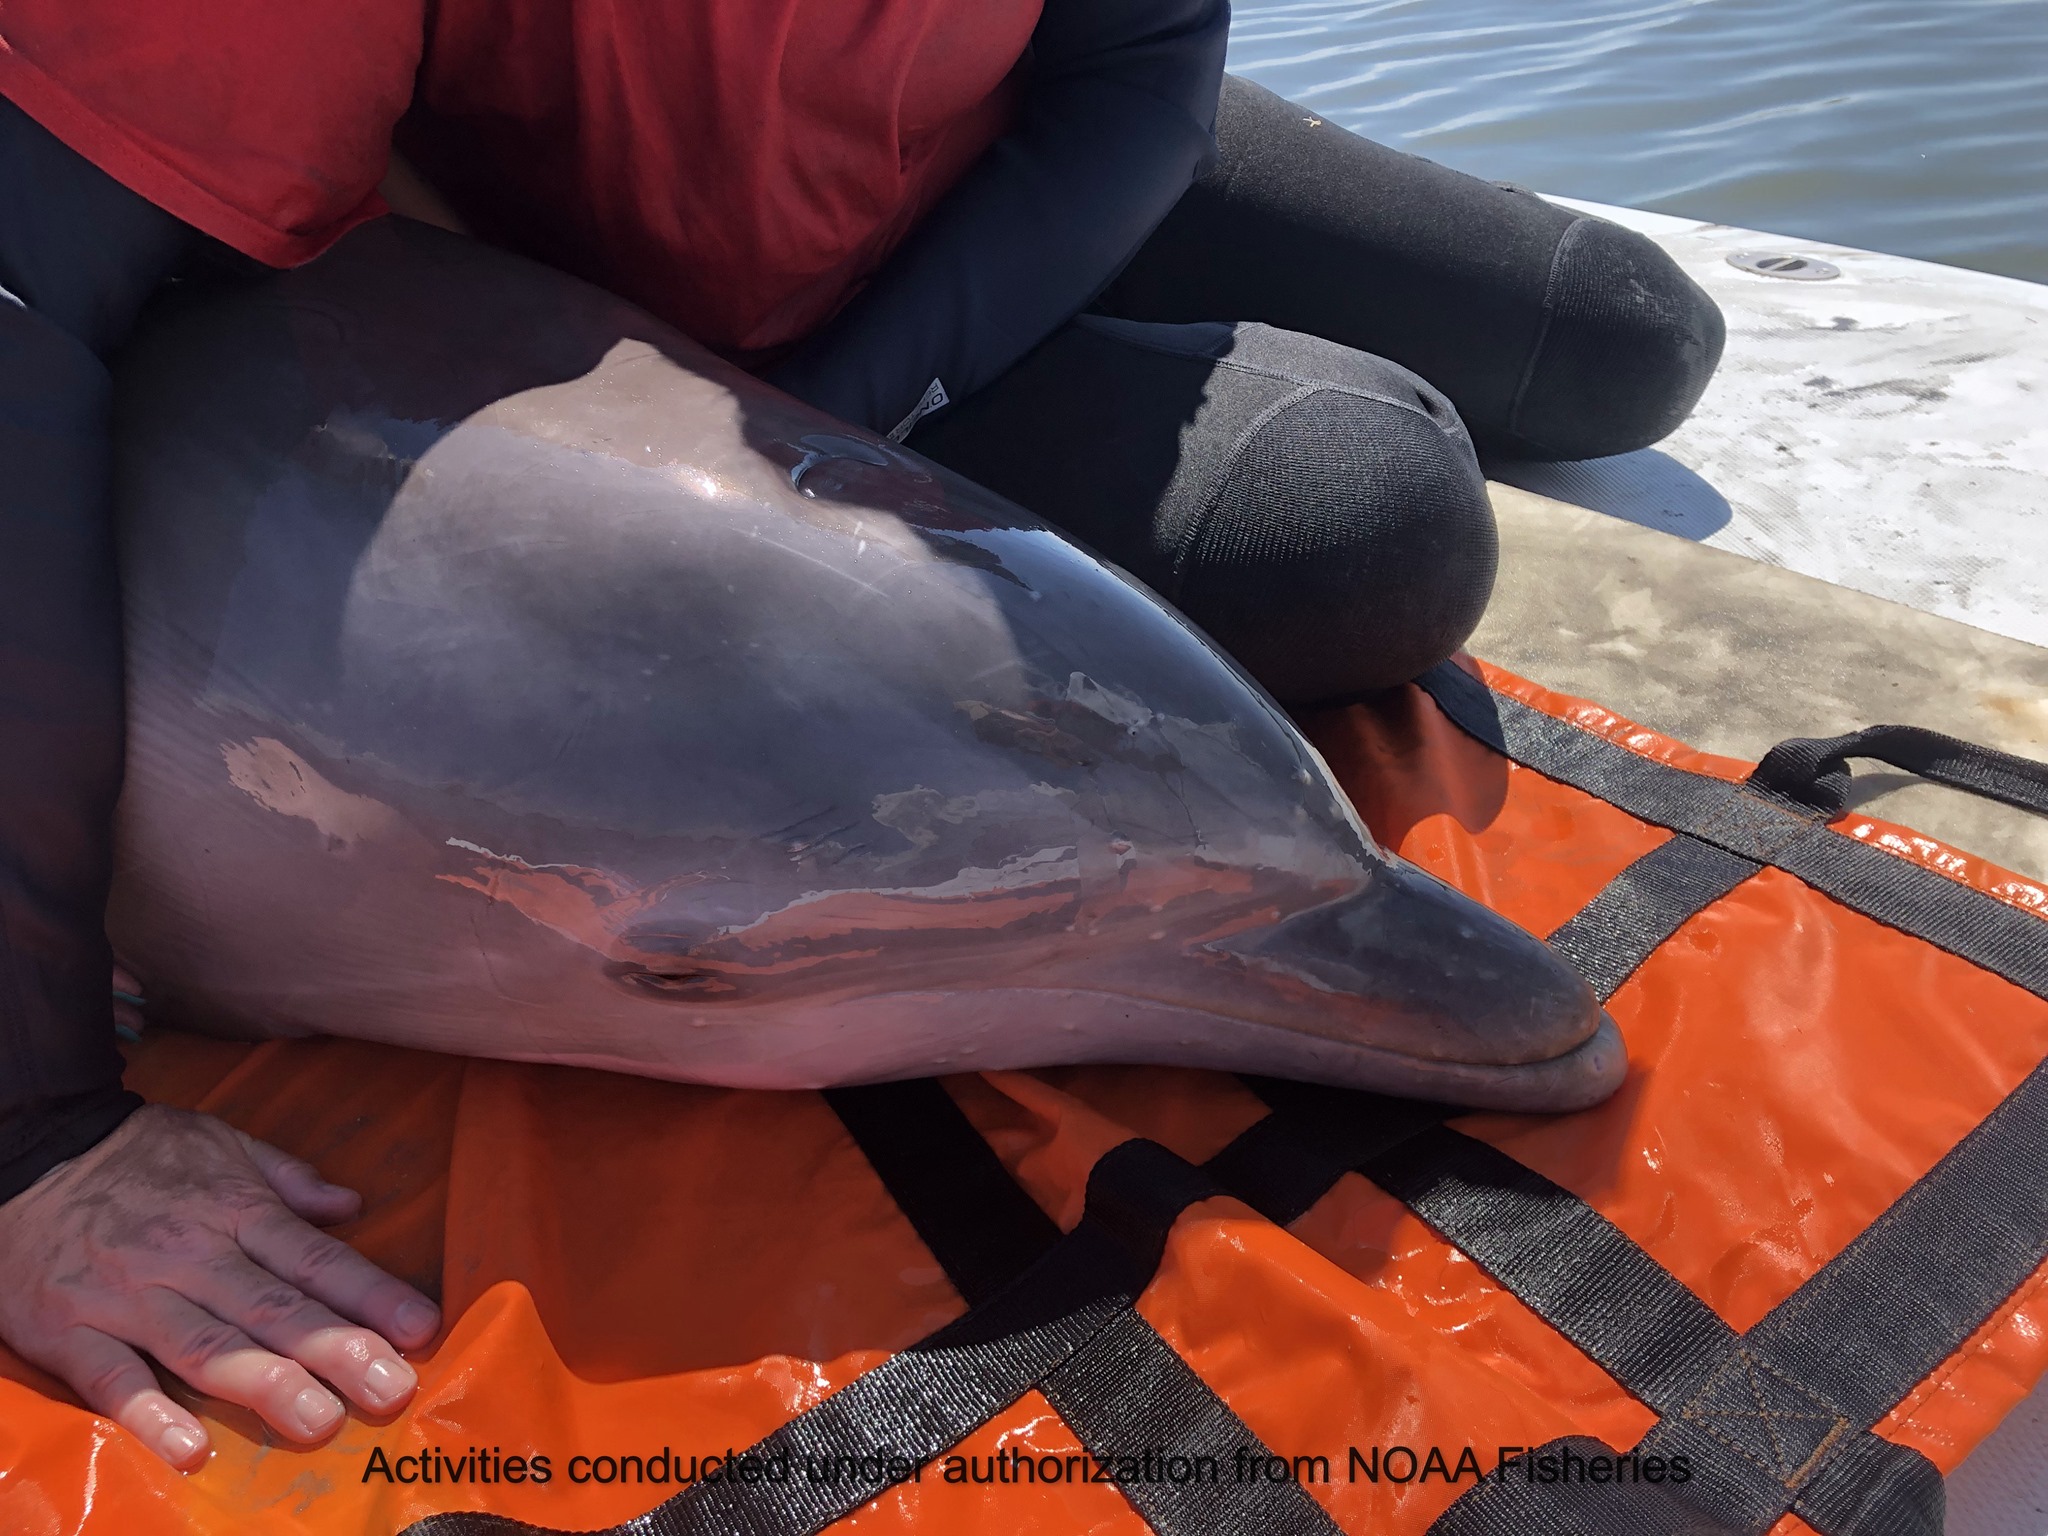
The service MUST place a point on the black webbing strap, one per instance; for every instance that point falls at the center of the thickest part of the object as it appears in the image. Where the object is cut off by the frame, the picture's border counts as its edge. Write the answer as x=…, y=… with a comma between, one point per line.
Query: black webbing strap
x=1130, y=1392
x=1625, y=1505
x=1778, y=1419
x=912, y=1407
x=899, y=1126
x=1065, y=1325
x=1569, y=1264
x=1925, y=1275
x=1125, y=1392
x=1771, y=1420
x=1285, y=1163
x=1609, y=938
x=1816, y=773
x=1589, y=1280
x=1835, y=1356
x=1757, y=825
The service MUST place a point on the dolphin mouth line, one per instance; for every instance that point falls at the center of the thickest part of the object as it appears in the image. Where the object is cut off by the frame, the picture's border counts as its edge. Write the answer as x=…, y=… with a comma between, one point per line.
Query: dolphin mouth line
x=1580, y=1077
x=1333, y=1046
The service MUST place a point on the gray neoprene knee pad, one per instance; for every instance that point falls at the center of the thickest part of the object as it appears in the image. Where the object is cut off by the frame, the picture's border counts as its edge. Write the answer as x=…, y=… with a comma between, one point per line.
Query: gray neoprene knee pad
x=1629, y=343
x=1341, y=540
x=1317, y=510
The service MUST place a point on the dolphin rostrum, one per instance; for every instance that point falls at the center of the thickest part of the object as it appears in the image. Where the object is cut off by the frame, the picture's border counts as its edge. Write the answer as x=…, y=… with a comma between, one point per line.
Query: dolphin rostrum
x=510, y=677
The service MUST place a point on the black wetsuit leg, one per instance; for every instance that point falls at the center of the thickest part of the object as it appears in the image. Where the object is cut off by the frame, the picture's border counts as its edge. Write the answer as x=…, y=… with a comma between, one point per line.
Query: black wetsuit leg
x=1319, y=511
x=1556, y=335
x=1334, y=540
x=79, y=255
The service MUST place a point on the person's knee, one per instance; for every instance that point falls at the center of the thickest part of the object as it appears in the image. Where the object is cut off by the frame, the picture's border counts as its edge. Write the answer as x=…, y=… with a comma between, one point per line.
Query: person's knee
x=1347, y=544
x=1629, y=345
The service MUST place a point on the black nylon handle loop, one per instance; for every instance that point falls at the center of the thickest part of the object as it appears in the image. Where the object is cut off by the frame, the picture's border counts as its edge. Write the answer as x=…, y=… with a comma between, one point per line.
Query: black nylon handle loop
x=1814, y=773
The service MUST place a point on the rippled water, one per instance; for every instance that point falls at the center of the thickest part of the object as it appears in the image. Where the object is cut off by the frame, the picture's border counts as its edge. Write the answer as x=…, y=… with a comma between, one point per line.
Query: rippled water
x=1920, y=128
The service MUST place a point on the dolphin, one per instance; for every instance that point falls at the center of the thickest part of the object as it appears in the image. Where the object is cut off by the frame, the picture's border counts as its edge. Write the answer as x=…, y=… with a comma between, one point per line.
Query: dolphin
x=509, y=676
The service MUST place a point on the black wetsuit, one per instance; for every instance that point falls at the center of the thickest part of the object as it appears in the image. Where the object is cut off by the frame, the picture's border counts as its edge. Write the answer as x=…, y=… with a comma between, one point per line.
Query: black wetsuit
x=1219, y=423
x=1244, y=421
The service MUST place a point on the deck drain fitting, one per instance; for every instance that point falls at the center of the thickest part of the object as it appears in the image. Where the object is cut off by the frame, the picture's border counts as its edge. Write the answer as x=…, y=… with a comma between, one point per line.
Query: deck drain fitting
x=1801, y=269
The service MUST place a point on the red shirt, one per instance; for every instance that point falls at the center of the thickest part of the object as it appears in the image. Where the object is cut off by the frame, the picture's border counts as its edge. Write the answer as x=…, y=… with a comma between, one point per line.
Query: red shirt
x=738, y=167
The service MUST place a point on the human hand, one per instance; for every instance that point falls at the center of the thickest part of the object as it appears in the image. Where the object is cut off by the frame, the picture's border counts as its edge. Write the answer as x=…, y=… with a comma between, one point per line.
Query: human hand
x=180, y=1236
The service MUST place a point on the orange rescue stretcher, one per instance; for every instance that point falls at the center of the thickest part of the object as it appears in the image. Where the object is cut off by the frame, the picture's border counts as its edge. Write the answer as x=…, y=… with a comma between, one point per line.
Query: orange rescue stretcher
x=1782, y=1282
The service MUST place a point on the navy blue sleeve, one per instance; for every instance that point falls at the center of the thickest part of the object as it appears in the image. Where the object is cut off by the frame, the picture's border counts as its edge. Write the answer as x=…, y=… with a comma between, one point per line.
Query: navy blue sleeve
x=1117, y=119
x=79, y=254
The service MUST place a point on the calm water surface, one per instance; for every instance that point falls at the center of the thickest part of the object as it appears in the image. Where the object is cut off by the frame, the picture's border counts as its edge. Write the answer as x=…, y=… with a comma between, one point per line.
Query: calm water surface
x=1920, y=129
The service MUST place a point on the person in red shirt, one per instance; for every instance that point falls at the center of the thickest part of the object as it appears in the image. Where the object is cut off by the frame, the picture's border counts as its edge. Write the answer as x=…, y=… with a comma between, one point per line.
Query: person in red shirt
x=1239, y=351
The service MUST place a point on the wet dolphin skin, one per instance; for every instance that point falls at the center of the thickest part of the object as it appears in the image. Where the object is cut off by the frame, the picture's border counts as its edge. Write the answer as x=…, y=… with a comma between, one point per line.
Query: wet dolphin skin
x=510, y=677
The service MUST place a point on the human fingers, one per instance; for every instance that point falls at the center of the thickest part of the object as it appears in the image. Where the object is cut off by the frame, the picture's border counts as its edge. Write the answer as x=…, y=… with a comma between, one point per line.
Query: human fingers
x=128, y=1003
x=115, y=1382
x=299, y=1185
x=331, y=1272
x=286, y=1321
x=129, y=1020
x=222, y=1361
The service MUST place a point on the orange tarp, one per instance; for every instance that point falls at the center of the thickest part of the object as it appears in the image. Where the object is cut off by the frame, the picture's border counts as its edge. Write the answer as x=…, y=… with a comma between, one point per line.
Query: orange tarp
x=629, y=1265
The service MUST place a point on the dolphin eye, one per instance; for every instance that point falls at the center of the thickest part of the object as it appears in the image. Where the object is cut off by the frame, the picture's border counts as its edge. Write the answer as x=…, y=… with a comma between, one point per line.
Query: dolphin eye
x=678, y=982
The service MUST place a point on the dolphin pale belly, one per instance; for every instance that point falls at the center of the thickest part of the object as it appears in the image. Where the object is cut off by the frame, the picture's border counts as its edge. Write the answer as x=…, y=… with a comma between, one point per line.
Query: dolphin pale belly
x=510, y=677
